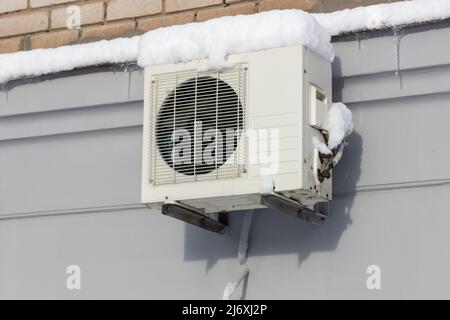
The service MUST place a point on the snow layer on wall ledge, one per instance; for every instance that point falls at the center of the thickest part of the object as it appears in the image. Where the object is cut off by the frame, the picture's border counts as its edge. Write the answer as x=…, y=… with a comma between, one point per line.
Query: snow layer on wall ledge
x=44, y=61
x=228, y=35
x=215, y=39
x=382, y=16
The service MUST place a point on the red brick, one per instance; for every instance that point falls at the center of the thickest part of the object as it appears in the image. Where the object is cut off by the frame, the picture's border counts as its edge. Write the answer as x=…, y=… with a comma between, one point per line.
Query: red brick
x=244, y=8
x=108, y=31
x=179, y=5
x=12, y=5
x=43, y=3
x=120, y=9
x=10, y=44
x=146, y=24
x=288, y=4
x=54, y=39
x=16, y=24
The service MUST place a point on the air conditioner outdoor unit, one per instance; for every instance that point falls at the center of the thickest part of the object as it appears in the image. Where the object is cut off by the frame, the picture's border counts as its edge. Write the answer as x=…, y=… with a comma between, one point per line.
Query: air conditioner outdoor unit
x=238, y=138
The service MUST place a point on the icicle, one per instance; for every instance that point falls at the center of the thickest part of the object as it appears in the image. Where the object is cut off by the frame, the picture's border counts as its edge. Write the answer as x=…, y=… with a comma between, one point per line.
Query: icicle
x=4, y=88
x=358, y=39
x=231, y=287
x=243, y=241
x=397, y=37
x=129, y=84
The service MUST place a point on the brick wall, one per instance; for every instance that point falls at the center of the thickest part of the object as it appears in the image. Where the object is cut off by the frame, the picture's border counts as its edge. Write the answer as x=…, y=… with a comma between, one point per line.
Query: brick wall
x=32, y=24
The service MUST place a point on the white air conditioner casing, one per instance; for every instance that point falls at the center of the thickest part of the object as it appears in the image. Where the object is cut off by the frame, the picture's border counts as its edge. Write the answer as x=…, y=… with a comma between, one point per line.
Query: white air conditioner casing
x=285, y=89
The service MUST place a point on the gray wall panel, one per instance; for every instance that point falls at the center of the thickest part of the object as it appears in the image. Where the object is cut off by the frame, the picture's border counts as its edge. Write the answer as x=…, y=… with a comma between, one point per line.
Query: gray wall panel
x=72, y=90
x=396, y=141
x=71, y=120
x=61, y=172
x=410, y=49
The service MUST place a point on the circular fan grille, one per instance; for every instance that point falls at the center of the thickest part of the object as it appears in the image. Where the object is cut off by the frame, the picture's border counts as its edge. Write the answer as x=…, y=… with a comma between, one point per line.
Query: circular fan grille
x=198, y=106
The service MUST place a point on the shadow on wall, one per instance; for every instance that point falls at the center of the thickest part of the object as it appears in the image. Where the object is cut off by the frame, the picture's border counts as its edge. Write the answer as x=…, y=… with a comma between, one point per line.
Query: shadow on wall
x=274, y=233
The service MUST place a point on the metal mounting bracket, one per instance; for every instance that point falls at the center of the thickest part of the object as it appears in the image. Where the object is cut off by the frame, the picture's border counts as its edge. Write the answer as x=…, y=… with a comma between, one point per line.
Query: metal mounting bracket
x=194, y=216
x=291, y=207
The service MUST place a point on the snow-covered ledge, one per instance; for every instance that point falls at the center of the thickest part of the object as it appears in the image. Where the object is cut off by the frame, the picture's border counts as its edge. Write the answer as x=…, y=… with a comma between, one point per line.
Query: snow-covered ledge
x=213, y=39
